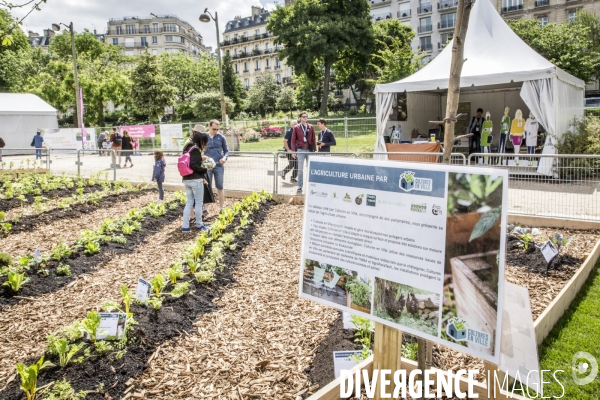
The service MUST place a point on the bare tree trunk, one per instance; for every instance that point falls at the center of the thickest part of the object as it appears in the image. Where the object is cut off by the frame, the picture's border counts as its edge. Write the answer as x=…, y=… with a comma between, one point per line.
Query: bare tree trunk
x=458, y=49
x=323, y=111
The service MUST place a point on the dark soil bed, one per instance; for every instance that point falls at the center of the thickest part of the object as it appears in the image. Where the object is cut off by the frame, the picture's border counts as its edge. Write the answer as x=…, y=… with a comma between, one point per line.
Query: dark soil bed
x=30, y=222
x=175, y=318
x=83, y=264
x=6, y=205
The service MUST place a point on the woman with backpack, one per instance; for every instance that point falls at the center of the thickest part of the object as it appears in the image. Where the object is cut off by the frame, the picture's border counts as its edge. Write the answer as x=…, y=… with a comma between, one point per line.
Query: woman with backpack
x=117, y=140
x=127, y=147
x=194, y=179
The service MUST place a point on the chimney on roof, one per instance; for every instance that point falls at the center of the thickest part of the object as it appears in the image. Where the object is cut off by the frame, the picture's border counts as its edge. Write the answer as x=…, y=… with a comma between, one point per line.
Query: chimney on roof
x=257, y=10
x=237, y=17
x=49, y=32
x=33, y=34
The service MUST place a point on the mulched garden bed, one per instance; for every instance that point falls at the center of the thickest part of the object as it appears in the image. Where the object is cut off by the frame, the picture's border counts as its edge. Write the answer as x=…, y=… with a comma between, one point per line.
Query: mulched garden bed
x=81, y=263
x=175, y=318
x=30, y=222
x=9, y=204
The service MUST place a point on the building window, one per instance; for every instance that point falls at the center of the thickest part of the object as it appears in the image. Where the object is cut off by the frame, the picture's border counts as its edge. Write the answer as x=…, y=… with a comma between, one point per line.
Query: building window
x=174, y=39
x=116, y=41
x=445, y=37
x=543, y=20
x=267, y=46
x=119, y=30
x=512, y=5
x=154, y=39
x=278, y=78
x=235, y=52
x=130, y=29
x=247, y=83
x=425, y=25
x=227, y=38
x=170, y=27
x=257, y=32
x=154, y=52
x=144, y=42
x=425, y=43
x=245, y=50
x=448, y=20
x=146, y=28
x=268, y=63
x=236, y=68
x=257, y=65
x=235, y=36
x=245, y=67
x=155, y=28
x=571, y=16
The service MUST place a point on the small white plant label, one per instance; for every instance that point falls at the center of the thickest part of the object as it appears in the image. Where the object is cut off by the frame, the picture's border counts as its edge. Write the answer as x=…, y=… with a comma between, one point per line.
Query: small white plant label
x=142, y=292
x=549, y=251
x=342, y=360
x=37, y=255
x=112, y=326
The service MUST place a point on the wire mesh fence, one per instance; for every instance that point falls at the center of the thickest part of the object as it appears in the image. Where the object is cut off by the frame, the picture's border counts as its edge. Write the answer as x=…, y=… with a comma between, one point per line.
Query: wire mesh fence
x=420, y=157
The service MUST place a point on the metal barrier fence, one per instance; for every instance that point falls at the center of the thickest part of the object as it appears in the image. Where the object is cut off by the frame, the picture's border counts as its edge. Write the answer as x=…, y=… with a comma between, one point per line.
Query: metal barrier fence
x=549, y=185
x=563, y=186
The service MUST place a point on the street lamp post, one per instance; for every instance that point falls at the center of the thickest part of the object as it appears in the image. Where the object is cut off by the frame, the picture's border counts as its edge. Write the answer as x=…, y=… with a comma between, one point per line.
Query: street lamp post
x=56, y=27
x=207, y=17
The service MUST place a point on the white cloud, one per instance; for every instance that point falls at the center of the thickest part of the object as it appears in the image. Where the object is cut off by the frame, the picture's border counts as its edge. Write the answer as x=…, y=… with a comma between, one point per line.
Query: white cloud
x=95, y=14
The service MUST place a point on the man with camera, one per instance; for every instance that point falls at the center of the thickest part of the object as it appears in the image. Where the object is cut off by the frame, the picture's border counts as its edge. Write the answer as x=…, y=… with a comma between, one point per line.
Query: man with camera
x=326, y=138
x=303, y=142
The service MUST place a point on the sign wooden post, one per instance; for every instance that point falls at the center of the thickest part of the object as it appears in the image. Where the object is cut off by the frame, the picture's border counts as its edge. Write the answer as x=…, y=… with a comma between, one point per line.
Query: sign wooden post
x=387, y=353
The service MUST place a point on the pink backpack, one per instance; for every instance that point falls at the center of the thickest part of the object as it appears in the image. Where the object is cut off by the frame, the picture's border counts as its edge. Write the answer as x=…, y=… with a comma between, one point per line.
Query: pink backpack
x=183, y=163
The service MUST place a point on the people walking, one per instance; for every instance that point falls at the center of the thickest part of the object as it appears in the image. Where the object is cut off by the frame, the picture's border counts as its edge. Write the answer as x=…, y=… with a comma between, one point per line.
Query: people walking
x=326, y=138
x=303, y=143
x=194, y=183
x=158, y=175
x=38, y=142
x=475, y=127
x=116, y=140
x=127, y=147
x=218, y=151
x=100, y=142
x=292, y=162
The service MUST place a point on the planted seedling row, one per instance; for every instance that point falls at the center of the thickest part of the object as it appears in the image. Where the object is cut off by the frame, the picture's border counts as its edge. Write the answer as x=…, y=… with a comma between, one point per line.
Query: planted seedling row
x=78, y=362
x=36, y=274
x=76, y=204
x=34, y=187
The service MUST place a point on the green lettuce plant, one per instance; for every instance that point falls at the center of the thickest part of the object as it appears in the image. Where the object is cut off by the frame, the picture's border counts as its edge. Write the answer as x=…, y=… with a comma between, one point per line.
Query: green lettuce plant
x=29, y=376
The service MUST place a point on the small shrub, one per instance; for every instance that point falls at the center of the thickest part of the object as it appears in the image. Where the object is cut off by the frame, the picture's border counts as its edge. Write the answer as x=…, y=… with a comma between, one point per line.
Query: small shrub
x=63, y=269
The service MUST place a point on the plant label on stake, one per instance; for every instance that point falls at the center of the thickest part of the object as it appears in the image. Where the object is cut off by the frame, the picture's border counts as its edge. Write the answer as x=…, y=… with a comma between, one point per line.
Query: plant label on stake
x=37, y=255
x=549, y=251
x=112, y=326
x=343, y=360
x=142, y=292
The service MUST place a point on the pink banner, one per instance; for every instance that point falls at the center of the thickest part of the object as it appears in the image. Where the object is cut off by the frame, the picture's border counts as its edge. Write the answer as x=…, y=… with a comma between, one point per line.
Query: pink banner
x=140, y=131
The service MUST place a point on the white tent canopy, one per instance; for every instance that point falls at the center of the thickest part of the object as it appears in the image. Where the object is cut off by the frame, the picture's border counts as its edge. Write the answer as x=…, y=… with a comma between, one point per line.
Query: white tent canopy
x=497, y=62
x=21, y=115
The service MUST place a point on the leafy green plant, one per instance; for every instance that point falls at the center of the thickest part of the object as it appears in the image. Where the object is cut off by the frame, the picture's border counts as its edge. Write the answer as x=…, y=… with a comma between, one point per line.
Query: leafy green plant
x=60, y=251
x=102, y=347
x=158, y=284
x=127, y=296
x=63, y=349
x=90, y=324
x=526, y=239
x=174, y=273
x=91, y=248
x=29, y=376
x=127, y=229
x=63, y=269
x=72, y=332
x=361, y=292
x=559, y=241
x=409, y=350
x=204, y=276
x=15, y=281
x=155, y=302
x=363, y=331
x=62, y=390
x=180, y=289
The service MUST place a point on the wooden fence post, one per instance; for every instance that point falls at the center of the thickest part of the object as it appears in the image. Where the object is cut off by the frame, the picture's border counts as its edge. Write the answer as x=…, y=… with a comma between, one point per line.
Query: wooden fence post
x=387, y=353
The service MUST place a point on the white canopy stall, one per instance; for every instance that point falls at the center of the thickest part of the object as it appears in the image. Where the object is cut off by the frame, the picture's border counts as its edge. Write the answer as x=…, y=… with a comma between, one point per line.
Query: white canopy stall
x=21, y=115
x=500, y=70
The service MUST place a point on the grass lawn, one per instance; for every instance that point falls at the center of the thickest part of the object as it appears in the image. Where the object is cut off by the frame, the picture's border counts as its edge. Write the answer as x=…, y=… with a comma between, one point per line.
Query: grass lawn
x=577, y=330
x=356, y=144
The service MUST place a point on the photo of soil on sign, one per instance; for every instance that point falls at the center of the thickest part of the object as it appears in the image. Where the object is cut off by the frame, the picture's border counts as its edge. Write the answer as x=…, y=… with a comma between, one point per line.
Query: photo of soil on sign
x=338, y=285
x=406, y=305
x=471, y=272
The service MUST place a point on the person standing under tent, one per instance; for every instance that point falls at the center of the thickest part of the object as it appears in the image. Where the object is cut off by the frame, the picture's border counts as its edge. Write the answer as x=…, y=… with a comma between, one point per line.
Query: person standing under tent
x=326, y=138
x=38, y=142
x=303, y=143
x=475, y=129
x=292, y=162
x=218, y=151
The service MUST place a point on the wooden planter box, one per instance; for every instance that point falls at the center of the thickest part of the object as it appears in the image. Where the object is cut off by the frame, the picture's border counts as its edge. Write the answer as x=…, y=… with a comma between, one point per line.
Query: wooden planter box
x=355, y=306
x=476, y=302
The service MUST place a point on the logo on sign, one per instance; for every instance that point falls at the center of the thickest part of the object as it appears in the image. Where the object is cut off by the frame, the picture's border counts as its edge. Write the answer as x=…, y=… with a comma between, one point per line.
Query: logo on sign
x=318, y=194
x=347, y=198
x=436, y=210
x=359, y=199
x=408, y=182
x=420, y=208
x=371, y=200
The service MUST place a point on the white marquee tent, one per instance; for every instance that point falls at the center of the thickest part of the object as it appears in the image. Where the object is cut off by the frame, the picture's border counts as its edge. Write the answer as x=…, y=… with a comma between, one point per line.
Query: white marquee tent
x=21, y=115
x=500, y=70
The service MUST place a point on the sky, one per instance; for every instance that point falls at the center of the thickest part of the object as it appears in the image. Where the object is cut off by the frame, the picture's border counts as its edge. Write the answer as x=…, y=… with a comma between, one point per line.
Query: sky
x=94, y=14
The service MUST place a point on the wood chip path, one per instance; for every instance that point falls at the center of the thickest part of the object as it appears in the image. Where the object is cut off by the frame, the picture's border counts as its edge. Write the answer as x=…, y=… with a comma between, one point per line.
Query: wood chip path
x=263, y=337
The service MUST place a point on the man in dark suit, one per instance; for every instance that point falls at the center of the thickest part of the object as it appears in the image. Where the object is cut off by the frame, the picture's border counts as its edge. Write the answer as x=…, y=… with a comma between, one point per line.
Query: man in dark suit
x=475, y=129
x=292, y=162
x=326, y=138
x=303, y=142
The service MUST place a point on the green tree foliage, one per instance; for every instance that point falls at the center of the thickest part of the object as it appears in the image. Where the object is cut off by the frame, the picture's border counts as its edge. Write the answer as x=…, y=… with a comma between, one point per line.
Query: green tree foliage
x=570, y=47
x=263, y=94
x=207, y=106
x=150, y=89
x=13, y=53
x=316, y=34
x=308, y=92
x=287, y=99
x=232, y=87
x=190, y=75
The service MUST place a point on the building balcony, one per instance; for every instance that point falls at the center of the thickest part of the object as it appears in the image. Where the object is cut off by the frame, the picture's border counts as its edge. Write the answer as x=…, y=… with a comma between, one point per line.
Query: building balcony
x=447, y=4
x=404, y=13
x=381, y=17
x=134, y=45
x=446, y=24
x=425, y=28
x=267, y=67
x=288, y=79
x=379, y=3
x=518, y=7
x=268, y=51
x=424, y=8
x=256, y=69
x=277, y=67
x=277, y=48
x=245, y=39
x=542, y=3
x=256, y=52
x=246, y=71
x=426, y=47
